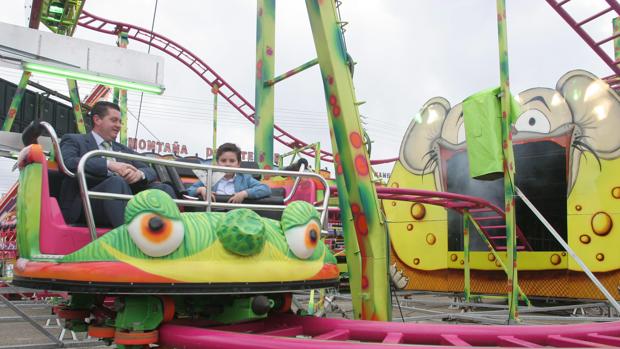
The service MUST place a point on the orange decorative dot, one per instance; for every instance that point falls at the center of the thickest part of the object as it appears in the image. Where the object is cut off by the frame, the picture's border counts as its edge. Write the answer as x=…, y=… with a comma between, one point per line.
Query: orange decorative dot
x=416, y=261
x=410, y=227
x=498, y=264
x=361, y=165
x=454, y=257
x=393, y=203
x=615, y=192
x=356, y=139
x=578, y=207
x=461, y=262
x=601, y=223
x=395, y=185
x=600, y=257
x=430, y=239
x=361, y=225
x=364, y=282
x=563, y=254
x=555, y=259
x=491, y=257
x=585, y=239
x=336, y=111
x=332, y=100
x=418, y=211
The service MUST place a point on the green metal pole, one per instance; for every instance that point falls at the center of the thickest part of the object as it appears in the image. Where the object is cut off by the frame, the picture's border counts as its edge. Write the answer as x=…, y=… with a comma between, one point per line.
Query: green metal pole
x=466, y=255
x=616, y=24
x=16, y=102
x=264, y=94
x=215, y=90
x=509, y=167
x=77, y=105
x=317, y=157
x=352, y=162
x=122, y=42
x=292, y=72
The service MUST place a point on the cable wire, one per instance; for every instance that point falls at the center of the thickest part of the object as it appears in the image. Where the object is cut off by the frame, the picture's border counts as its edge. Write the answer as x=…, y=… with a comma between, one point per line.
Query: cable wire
x=148, y=51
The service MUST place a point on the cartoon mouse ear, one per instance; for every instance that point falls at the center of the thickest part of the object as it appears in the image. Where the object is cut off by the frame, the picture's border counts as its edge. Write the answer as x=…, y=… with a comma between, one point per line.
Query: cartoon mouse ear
x=453, y=129
x=595, y=107
x=423, y=131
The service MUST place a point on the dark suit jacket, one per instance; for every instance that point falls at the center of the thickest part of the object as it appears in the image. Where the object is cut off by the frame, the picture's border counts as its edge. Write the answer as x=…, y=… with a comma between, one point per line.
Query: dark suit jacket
x=73, y=146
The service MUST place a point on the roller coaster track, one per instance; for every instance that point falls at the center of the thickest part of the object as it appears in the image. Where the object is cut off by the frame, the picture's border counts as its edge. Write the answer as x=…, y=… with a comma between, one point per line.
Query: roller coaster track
x=481, y=211
x=296, y=332
x=200, y=68
x=580, y=27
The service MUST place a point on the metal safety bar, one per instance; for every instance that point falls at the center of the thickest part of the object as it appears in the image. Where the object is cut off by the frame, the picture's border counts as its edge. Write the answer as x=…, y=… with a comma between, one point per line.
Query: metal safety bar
x=569, y=250
x=86, y=195
x=295, y=185
x=56, y=145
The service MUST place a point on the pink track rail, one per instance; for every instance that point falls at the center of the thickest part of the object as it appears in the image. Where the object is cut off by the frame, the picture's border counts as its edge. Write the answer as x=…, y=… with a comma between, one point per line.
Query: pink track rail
x=457, y=202
x=295, y=332
x=200, y=68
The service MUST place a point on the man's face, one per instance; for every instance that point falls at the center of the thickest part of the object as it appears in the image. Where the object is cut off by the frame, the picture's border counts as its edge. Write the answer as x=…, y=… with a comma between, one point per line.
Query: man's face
x=108, y=125
x=228, y=159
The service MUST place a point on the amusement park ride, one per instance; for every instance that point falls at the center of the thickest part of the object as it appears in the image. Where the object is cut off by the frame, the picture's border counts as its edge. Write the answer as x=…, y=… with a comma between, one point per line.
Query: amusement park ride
x=540, y=190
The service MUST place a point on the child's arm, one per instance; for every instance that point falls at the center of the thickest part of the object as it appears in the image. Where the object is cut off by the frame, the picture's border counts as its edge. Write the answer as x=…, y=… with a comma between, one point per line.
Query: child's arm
x=257, y=190
x=193, y=190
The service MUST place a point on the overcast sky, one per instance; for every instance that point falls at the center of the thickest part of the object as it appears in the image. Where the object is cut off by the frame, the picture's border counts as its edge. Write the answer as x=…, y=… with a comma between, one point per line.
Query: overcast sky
x=407, y=51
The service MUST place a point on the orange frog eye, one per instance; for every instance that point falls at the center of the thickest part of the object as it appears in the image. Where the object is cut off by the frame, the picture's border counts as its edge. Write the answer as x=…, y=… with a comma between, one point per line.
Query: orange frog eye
x=154, y=228
x=155, y=235
x=312, y=235
x=303, y=239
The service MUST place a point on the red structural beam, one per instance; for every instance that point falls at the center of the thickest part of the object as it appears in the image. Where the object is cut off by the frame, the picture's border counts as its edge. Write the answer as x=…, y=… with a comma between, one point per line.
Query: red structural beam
x=200, y=68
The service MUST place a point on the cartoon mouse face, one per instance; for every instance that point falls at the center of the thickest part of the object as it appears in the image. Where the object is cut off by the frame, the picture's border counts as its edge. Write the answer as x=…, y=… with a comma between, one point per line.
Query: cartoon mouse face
x=582, y=115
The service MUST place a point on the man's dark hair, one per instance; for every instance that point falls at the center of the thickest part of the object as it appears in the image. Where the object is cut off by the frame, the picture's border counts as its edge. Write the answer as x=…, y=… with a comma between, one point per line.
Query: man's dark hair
x=101, y=108
x=228, y=147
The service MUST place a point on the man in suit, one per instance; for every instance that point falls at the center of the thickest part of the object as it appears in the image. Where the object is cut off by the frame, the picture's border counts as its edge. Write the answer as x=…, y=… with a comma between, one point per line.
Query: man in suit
x=103, y=174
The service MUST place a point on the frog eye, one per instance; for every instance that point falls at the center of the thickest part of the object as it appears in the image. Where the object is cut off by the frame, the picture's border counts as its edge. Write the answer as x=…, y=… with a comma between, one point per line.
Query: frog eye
x=302, y=239
x=155, y=235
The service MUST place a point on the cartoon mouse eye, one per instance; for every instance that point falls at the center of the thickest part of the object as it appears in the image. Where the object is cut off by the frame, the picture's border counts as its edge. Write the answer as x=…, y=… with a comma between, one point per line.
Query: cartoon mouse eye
x=302, y=239
x=533, y=120
x=154, y=235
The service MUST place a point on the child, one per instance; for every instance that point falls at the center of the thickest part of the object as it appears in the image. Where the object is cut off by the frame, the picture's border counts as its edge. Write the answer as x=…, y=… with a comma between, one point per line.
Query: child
x=239, y=185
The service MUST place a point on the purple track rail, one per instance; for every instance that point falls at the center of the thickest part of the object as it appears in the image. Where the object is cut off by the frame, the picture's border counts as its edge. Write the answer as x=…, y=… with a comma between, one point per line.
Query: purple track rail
x=200, y=68
x=295, y=332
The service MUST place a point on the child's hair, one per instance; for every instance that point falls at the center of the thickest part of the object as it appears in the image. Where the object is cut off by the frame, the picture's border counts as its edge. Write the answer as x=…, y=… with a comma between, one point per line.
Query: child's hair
x=228, y=147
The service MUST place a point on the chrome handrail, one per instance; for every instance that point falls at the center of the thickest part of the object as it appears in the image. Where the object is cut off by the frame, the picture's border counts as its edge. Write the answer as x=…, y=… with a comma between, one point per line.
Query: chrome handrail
x=295, y=185
x=57, y=153
x=85, y=194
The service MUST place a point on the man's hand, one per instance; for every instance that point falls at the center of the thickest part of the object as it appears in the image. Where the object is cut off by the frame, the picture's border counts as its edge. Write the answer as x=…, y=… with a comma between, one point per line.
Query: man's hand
x=120, y=168
x=202, y=192
x=133, y=176
x=238, y=197
x=129, y=173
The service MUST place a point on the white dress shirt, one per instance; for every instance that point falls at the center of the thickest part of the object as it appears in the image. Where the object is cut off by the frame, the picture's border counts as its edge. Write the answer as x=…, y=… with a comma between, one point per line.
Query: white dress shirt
x=225, y=186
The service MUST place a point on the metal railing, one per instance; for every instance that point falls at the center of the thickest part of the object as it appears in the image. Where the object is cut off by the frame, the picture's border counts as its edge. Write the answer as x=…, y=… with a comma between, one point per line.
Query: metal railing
x=56, y=145
x=86, y=194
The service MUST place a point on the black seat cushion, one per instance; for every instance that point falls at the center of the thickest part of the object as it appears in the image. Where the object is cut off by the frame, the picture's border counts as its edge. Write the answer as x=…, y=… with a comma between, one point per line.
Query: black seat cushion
x=54, y=179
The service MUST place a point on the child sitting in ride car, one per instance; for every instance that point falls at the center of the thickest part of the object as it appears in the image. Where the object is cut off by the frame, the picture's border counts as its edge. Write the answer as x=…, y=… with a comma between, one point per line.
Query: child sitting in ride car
x=239, y=185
